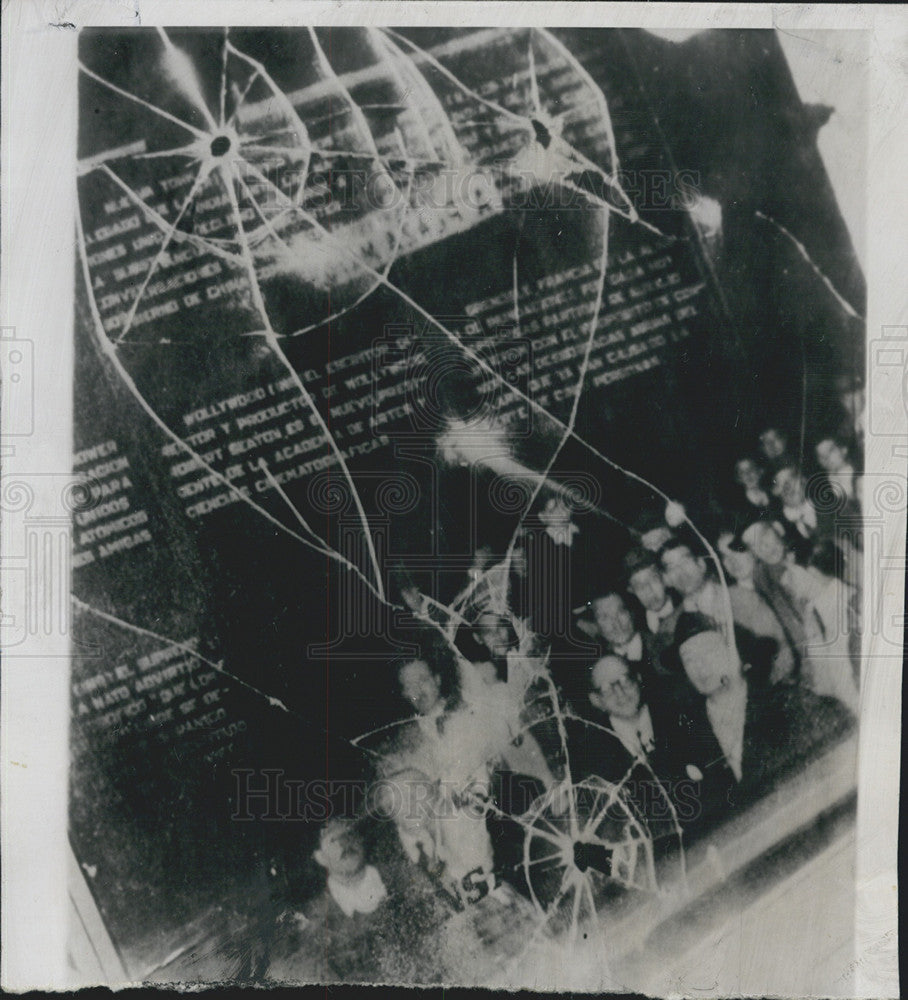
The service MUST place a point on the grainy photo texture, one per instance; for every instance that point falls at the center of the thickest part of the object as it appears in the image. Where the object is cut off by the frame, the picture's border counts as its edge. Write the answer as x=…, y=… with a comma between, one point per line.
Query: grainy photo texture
x=469, y=511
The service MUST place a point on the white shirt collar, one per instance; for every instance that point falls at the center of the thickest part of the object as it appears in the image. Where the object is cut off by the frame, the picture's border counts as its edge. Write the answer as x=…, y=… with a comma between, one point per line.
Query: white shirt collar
x=804, y=516
x=632, y=650
x=636, y=734
x=654, y=617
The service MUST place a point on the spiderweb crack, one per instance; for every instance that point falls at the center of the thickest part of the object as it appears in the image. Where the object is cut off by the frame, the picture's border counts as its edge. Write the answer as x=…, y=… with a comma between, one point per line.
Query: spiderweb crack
x=232, y=172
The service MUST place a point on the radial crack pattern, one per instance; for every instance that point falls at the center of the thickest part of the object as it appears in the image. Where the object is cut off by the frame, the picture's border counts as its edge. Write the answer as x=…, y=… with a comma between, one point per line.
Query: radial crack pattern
x=269, y=226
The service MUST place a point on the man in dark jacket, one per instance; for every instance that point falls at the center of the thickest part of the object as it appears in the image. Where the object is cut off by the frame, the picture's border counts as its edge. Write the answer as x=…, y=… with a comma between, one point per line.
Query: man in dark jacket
x=640, y=737
x=613, y=624
x=376, y=919
x=802, y=521
x=752, y=733
x=643, y=575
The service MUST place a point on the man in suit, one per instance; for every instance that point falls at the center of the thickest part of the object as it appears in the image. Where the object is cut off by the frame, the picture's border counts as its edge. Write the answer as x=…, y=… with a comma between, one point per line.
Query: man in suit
x=613, y=624
x=687, y=571
x=651, y=753
x=802, y=522
x=753, y=733
x=833, y=457
x=376, y=918
x=615, y=690
x=644, y=581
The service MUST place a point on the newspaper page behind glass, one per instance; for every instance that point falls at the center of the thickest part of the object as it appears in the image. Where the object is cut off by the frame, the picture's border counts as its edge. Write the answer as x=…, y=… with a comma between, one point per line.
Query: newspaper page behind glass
x=469, y=511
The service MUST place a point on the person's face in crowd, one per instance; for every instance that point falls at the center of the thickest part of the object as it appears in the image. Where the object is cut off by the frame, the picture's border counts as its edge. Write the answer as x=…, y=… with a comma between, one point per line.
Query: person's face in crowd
x=831, y=456
x=709, y=663
x=768, y=545
x=738, y=565
x=340, y=851
x=748, y=474
x=613, y=620
x=772, y=443
x=788, y=485
x=616, y=689
x=648, y=587
x=853, y=401
x=683, y=571
x=493, y=633
x=655, y=538
x=420, y=686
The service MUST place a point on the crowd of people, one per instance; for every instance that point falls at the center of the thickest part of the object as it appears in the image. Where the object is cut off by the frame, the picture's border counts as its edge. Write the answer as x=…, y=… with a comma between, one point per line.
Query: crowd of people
x=711, y=666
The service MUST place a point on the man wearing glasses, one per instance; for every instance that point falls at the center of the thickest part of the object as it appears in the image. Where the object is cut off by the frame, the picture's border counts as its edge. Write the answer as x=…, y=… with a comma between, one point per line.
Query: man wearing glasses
x=654, y=727
x=616, y=691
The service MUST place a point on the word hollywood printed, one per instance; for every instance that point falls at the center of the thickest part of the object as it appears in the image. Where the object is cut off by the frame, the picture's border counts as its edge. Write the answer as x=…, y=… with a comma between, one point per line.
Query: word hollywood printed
x=467, y=512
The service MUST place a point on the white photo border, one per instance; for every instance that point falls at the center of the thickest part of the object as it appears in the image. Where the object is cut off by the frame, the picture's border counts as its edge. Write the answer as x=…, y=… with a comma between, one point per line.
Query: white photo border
x=37, y=261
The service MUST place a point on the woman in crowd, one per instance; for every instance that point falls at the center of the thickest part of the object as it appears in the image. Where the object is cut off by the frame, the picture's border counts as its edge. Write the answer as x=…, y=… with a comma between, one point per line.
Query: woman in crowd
x=766, y=543
x=750, y=610
x=752, y=498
